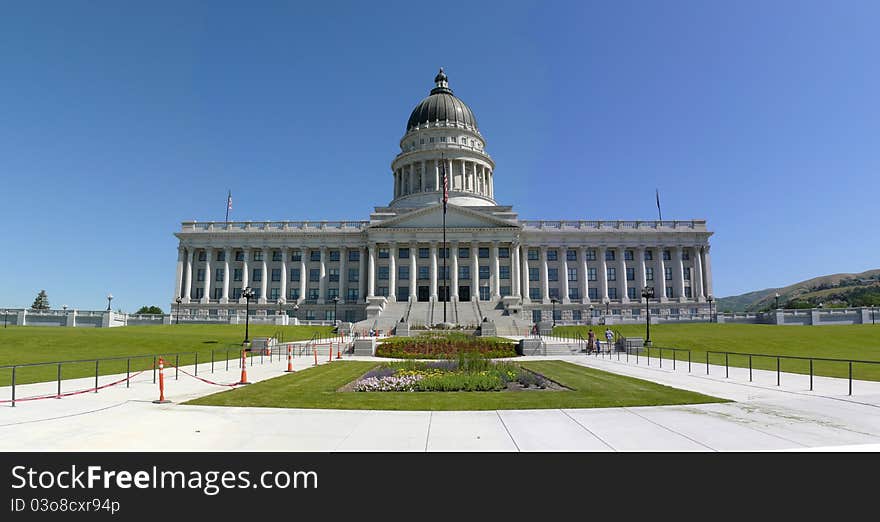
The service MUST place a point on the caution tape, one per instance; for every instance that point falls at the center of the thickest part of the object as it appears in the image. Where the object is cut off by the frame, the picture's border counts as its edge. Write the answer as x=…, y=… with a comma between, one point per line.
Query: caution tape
x=78, y=392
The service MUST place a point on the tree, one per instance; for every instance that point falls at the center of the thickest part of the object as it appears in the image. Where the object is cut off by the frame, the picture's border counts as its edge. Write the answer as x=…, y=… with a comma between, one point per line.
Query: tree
x=41, y=302
x=150, y=310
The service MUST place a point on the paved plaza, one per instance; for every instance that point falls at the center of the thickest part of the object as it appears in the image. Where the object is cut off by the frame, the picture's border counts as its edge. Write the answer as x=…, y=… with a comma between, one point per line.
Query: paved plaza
x=763, y=417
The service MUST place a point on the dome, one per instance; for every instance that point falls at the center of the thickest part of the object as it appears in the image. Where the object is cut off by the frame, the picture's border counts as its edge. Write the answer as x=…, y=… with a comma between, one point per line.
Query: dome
x=442, y=105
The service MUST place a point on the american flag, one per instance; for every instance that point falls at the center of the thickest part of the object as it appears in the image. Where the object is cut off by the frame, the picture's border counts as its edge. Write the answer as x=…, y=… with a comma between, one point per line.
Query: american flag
x=229, y=201
x=445, y=185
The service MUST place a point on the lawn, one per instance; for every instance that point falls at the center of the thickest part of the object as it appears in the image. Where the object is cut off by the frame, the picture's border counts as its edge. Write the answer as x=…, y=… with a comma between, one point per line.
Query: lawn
x=31, y=344
x=860, y=341
x=316, y=388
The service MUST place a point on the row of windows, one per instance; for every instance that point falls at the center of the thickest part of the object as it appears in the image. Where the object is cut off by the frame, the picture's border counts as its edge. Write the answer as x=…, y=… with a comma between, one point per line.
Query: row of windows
x=295, y=255
x=424, y=252
x=463, y=140
x=593, y=293
x=628, y=255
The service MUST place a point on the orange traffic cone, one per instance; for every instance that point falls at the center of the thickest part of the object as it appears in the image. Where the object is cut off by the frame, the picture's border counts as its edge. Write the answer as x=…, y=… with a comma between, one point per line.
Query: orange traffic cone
x=243, y=368
x=315, y=351
x=162, y=399
x=289, y=359
x=338, y=351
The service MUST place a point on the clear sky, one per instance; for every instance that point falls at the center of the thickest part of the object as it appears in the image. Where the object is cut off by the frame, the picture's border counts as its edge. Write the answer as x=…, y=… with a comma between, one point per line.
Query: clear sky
x=120, y=120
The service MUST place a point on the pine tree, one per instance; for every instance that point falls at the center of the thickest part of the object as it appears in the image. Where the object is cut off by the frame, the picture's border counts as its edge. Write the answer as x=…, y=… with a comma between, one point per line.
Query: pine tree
x=41, y=302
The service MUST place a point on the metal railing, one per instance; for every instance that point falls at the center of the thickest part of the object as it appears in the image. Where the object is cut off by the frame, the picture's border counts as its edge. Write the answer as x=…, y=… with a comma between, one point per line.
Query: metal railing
x=779, y=358
x=658, y=351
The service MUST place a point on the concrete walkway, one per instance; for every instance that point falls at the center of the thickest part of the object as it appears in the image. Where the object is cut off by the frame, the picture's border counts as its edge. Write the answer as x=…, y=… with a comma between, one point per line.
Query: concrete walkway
x=764, y=417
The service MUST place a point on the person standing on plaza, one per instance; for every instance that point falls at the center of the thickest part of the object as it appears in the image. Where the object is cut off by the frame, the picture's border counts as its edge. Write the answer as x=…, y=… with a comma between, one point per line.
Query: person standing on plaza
x=591, y=340
x=609, y=336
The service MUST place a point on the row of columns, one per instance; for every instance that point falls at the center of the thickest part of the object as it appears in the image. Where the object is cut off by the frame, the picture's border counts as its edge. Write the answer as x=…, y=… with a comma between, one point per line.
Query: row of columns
x=415, y=177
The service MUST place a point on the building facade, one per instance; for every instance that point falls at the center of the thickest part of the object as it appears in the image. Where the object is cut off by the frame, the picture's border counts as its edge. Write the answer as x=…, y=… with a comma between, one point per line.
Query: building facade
x=492, y=265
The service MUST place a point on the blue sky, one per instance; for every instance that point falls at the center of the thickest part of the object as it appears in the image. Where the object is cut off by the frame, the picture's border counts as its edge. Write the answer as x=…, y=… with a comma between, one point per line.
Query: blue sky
x=118, y=121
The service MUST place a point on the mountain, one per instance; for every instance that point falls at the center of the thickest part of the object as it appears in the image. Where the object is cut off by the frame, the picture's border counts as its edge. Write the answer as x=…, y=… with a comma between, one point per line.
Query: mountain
x=861, y=289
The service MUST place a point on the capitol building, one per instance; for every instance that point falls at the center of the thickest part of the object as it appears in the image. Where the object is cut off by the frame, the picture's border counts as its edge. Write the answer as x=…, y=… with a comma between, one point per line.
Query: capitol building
x=493, y=265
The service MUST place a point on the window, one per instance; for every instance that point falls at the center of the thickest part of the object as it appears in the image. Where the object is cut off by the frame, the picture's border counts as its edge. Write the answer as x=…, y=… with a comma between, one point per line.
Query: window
x=591, y=254
x=258, y=255
x=484, y=293
x=332, y=292
x=575, y=315
x=348, y=316
x=572, y=274
x=649, y=273
x=649, y=255
x=573, y=293
x=551, y=254
x=402, y=253
x=383, y=253
x=257, y=274
x=221, y=255
x=464, y=252
x=276, y=255
x=423, y=272
x=313, y=294
x=535, y=293
x=294, y=274
x=687, y=292
x=239, y=255
x=636, y=312
x=442, y=273
x=666, y=256
x=258, y=293
x=236, y=274
x=557, y=315
x=423, y=253
x=593, y=293
x=354, y=255
x=483, y=252
x=293, y=293
x=612, y=273
x=536, y=316
x=631, y=292
x=236, y=293
x=216, y=293
x=685, y=255
x=352, y=294
x=314, y=274
x=668, y=271
x=202, y=255
x=553, y=274
x=669, y=291
x=612, y=293
x=571, y=255
x=609, y=255
x=464, y=273
x=274, y=293
x=504, y=272
x=533, y=254
x=296, y=255
x=533, y=274
x=443, y=253
x=443, y=139
x=630, y=274
x=421, y=141
x=554, y=293
x=431, y=139
x=333, y=275
x=463, y=139
x=402, y=273
x=687, y=273
x=503, y=252
x=484, y=272
x=353, y=275
x=218, y=275
x=627, y=255
x=334, y=255
x=383, y=272
x=276, y=274
x=382, y=291
x=591, y=274
x=504, y=291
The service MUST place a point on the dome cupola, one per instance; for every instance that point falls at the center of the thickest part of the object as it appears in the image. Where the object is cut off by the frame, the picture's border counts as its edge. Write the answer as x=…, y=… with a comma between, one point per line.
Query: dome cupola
x=442, y=105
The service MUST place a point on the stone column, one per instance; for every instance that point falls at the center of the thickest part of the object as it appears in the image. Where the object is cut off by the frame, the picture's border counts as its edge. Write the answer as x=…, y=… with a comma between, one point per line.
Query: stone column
x=707, y=271
x=640, y=276
x=437, y=175
x=264, y=284
x=545, y=283
x=188, y=274
x=603, y=275
x=494, y=281
x=303, y=273
x=413, y=272
x=451, y=174
x=697, y=275
x=453, y=257
x=392, y=271
x=206, y=285
x=322, y=278
x=678, y=273
x=582, y=276
x=371, y=271
x=343, y=273
x=285, y=254
x=564, y=297
x=433, y=270
x=178, y=280
x=227, y=253
x=621, y=281
x=245, y=271
x=515, y=269
x=525, y=273
x=475, y=271
x=362, y=273
x=660, y=276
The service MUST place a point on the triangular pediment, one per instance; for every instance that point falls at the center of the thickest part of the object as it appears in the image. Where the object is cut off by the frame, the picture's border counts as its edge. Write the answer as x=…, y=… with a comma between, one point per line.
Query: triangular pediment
x=456, y=217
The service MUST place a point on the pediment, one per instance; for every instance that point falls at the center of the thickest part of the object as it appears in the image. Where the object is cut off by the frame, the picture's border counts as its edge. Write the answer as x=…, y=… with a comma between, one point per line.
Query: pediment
x=456, y=217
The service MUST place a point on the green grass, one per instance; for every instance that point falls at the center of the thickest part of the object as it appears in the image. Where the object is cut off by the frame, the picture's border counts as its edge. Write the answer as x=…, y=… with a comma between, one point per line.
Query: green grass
x=316, y=388
x=32, y=344
x=861, y=342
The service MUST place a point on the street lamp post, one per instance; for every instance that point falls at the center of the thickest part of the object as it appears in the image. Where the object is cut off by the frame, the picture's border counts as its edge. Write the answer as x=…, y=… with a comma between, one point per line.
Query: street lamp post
x=648, y=293
x=591, y=314
x=335, y=303
x=777, y=300
x=554, y=301
x=710, y=299
x=295, y=309
x=247, y=293
x=6, y=312
x=177, y=315
x=109, y=298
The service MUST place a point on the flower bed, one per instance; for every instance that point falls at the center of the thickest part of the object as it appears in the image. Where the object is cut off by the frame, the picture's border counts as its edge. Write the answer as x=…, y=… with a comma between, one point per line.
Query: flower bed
x=445, y=345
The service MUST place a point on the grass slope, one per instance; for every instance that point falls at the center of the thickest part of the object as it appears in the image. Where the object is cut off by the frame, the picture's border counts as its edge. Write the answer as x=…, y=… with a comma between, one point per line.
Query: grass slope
x=316, y=388
x=860, y=341
x=30, y=344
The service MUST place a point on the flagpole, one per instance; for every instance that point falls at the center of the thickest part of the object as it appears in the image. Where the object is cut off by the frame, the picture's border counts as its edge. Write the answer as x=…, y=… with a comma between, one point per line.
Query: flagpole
x=445, y=251
x=228, y=198
x=657, y=191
